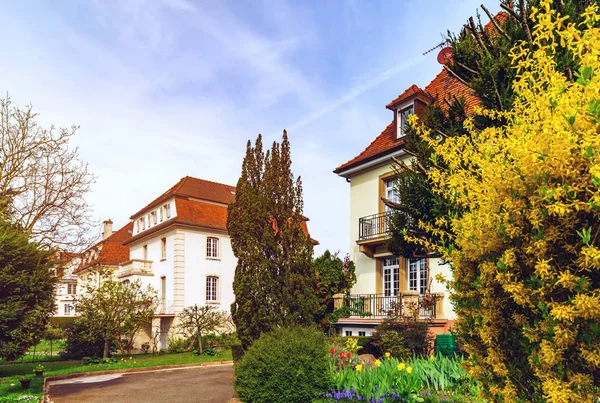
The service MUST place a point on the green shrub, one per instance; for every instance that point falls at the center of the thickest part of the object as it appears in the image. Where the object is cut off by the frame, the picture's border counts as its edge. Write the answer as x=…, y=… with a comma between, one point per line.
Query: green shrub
x=210, y=352
x=417, y=337
x=82, y=342
x=237, y=351
x=393, y=343
x=287, y=365
x=177, y=344
x=364, y=342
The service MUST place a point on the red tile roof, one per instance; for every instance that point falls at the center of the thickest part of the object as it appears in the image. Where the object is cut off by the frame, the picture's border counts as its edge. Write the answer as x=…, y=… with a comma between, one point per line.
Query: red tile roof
x=412, y=92
x=443, y=86
x=112, y=250
x=194, y=188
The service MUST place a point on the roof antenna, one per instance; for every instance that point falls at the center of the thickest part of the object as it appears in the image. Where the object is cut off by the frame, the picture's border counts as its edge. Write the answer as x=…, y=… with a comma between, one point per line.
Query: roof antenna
x=439, y=45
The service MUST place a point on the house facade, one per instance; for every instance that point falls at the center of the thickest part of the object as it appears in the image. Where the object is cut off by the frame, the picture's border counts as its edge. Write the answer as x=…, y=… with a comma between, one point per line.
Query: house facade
x=385, y=281
x=180, y=246
x=66, y=285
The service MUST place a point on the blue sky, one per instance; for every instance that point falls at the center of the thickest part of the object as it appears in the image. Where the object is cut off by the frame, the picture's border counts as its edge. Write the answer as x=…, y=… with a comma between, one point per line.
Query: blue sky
x=168, y=88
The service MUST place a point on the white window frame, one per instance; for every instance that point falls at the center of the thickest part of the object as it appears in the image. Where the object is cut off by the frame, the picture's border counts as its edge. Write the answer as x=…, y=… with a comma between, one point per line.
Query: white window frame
x=167, y=210
x=71, y=289
x=161, y=215
x=417, y=275
x=212, y=289
x=154, y=218
x=212, y=247
x=401, y=119
x=67, y=309
x=391, y=276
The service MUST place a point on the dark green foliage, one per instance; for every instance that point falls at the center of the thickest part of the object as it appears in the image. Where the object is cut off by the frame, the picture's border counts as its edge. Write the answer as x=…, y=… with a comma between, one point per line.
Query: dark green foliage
x=415, y=334
x=287, y=365
x=364, y=342
x=488, y=71
x=334, y=276
x=26, y=292
x=82, y=341
x=237, y=351
x=393, y=343
x=274, y=279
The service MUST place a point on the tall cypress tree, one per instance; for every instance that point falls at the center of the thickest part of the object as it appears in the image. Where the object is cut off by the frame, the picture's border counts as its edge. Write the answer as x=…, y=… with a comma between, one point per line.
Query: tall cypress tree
x=274, y=279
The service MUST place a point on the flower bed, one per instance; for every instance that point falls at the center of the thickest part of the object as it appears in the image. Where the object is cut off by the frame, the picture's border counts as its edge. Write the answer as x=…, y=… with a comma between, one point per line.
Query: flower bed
x=433, y=379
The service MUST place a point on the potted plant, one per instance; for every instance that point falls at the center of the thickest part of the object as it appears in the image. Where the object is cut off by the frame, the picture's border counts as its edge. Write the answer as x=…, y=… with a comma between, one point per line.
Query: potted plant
x=25, y=382
x=39, y=371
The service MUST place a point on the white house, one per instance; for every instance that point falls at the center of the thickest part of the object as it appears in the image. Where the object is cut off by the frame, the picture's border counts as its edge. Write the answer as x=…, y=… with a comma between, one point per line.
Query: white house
x=66, y=286
x=384, y=279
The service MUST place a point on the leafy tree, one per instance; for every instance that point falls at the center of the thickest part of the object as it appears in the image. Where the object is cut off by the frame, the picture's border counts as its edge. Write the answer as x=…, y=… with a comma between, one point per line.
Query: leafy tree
x=197, y=321
x=117, y=311
x=43, y=180
x=334, y=276
x=274, y=279
x=481, y=62
x=526, y=249
x=26, y=291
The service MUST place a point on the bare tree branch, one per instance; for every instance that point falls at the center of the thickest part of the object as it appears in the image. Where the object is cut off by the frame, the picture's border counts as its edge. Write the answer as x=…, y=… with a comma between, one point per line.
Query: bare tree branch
x=495, y=22
x=453, y=74
x=43, y=181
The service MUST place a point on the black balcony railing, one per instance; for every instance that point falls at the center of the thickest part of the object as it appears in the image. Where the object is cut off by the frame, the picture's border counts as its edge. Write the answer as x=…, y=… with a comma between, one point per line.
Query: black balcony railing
x=374, y=226
x=380, y=305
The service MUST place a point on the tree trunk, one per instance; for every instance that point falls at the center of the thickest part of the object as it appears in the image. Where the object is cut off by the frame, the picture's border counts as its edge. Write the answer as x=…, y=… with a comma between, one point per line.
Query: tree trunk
x=105, y=353
x=199, y=342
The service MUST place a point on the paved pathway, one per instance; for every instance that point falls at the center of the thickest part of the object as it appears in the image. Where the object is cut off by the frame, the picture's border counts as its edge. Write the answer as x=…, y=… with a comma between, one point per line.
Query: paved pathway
x=210, y=384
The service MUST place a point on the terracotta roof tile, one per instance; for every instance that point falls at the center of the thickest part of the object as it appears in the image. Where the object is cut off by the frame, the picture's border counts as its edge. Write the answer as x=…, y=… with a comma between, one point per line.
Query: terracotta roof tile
x=112, y=250
x=194, y=188
x=443, y=86
x=412, y=91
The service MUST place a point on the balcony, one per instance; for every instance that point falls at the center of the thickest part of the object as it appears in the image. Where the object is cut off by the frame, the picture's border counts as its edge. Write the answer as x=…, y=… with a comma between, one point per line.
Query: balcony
x=380, y=306
x=374, y=226
x=135, y=267
x=165, y=308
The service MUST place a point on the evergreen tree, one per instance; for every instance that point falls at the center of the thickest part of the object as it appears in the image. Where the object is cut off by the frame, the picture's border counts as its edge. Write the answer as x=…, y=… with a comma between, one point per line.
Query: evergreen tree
x=481, y=61
x=26, y=291
x=274, y=279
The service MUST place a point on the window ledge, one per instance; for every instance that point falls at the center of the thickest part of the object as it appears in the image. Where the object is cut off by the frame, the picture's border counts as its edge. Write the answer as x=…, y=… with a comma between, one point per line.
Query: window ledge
x=213, y=302
x=163, y=259
x=213, y=258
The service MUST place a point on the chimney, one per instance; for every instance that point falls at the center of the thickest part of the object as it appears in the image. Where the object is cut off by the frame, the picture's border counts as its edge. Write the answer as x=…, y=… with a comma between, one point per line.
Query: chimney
x=107, y=231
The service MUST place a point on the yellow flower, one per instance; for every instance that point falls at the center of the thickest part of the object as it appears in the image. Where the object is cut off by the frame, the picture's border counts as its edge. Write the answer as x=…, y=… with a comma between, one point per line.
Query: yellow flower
x=358, y=367
x=401, y=366
x=377, y=363
x=431, y=357
x=130, y=358
x=409, y=370
x=387, y=355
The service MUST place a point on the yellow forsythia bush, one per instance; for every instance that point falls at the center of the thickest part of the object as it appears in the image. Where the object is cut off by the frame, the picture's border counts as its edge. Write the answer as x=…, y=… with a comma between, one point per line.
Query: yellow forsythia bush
x=524, y=241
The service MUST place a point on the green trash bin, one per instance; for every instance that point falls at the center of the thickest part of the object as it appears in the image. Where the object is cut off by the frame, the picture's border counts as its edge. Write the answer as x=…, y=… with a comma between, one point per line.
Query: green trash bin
x=445, y=344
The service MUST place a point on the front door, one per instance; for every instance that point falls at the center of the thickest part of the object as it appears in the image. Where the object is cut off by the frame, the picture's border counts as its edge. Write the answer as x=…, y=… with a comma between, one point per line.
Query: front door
x=391, y=283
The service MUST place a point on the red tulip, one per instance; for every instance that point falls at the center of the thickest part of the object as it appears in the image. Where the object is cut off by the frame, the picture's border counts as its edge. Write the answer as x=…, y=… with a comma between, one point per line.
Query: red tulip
x=342, y=354
x=348, y=355
x=332, y=350
x=343, y=362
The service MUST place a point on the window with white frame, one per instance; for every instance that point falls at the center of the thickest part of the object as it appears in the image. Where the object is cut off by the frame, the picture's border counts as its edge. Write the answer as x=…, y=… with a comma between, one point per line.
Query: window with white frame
x=167, y=210
x=68, y=309
x=417, y=275
x=391, y=277
x=212, y=247
x=154, y=218
x=402, y=119
x=390, y=192
x=71, y=289
x=163, y=248
x=348, y=332
x=212, y=283
x=143, y=223
x=160, y=213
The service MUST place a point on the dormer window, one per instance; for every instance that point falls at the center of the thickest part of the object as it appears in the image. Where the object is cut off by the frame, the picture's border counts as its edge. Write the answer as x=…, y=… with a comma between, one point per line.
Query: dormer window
x=402, y=119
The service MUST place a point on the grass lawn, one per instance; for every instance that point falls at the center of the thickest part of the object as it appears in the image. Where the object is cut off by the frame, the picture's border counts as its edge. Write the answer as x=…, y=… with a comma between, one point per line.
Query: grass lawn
x=10, y=374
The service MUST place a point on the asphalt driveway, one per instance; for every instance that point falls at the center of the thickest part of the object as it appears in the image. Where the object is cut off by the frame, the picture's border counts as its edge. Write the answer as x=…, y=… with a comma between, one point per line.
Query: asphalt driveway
x=210, y=384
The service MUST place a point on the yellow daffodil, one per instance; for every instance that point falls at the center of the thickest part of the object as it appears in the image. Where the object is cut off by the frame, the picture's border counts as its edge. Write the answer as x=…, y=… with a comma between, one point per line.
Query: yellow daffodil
x=387, y=355
x=359, y=367
x=431, y=357
x=377, y=363
x=409, y=370
x=401, y=366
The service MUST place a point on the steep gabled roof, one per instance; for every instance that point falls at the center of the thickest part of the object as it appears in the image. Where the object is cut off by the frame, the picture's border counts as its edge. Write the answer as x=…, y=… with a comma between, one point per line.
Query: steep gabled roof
x=110, y=251
x=194, y=188
x=442, y=87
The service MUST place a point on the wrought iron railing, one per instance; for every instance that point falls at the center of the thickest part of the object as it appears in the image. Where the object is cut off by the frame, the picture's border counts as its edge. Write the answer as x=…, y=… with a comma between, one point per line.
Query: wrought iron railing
x=374, y=226
x=381, y=305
